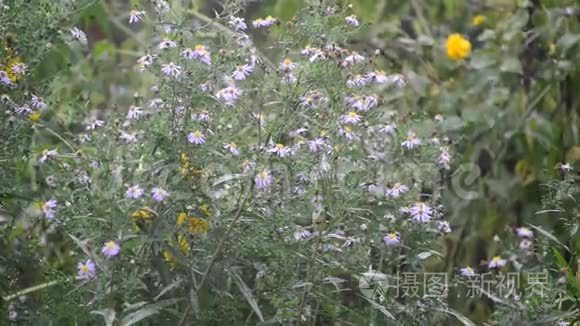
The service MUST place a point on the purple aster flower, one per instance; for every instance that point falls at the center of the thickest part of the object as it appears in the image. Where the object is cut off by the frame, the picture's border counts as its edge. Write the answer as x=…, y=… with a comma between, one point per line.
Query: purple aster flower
x=421, y=212
x=392, y=239
x=467, y=271
x=196, y=138
x=497, y=262
x=111, y=249
x=263, y=179
x=86, y=270
x=49, y=208
x=134, y=192
x=159, y=194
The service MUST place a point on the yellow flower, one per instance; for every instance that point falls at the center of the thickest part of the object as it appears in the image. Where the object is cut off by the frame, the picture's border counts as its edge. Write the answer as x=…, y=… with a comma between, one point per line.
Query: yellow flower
x=181, y=218
x=198, y=225
x=204, y=209
x=169, y=258
x=458, y=47
x=141, y=217
x=8, y=64
x=478, y=20
x=183, y=244
x=34, y=117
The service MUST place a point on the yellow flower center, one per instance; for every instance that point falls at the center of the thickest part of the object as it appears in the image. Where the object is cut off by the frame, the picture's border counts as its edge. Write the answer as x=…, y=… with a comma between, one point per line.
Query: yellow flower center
x=287, y=62
x=34, y=117
x=392, y=236
x=280, y=146
x=478, y=20
x=85, y=269
x=197, y=134
x=352, y=114
x=110, y=245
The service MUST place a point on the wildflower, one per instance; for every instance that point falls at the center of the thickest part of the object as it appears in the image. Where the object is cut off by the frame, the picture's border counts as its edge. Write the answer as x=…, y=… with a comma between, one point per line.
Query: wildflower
x=34, y=117
x=136, y=16
x=308, y=51
x=229, y=94
x=159, y=194
x=198, y=225
x=396, y=190
x=196, y=137
x=280, y=150
x=478, y=20
x=135, y=112
x=496, y=262
x=94, y=123
x=524, y=232
x=264, y=22
x=289, y=79
x=525, y=244
x=347, y=132
x=129, y=138
x=352, y=20
x=302, y=234
x=565, y=167
x=352, y=118
x=48, y=155
x=467, y=271
x=357, y=81
x=134, y=192
x=313, y=100
x=443, y=227
x=167, y=44
x=232, y=148
x=353, y=58
x=392, y=239
x=171, y=70
x=387, y=129
x=37, y=103
x=362, y=103
x=287, y=66
x=4, y=78
x=49, y=209
x=237, y=23
x=86, y=270
x=316, y=144
x=458, y=47
x=421, y=212
x=444, y=159
x=263, y=179
x=78, y=34
x=201, y=53
x=50, y=181
x=145, y=61
x=411, y=141
x=111, y=249
x=19, y=68
x=242, y=72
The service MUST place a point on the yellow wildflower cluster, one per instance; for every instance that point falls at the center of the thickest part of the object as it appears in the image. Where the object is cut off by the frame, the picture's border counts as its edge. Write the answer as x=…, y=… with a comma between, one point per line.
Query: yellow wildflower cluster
x=182, y=245
x=195, y=224
x=187, y=170
x=142, y=217
x=8, y=63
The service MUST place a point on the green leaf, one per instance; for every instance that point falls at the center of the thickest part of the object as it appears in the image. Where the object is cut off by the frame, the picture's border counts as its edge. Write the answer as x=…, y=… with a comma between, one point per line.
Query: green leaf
x=147, y=311
x=549, y=236
x=511, y=64
x=247, y=293
x=108, y=314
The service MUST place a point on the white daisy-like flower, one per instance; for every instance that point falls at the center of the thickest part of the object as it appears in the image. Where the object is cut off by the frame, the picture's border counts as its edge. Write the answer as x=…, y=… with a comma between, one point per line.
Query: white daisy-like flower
x=155, y=103
x=308, y=51
x=50, y=181
x=201, y=53
x=232, y=148
x=264, y=22
x=318, y=55
x=302, y=234
x=159, y=194
x=392, y=239
x=353, y=58
x=524, y=232
x=167, y=44
x=196, y=137
x=134, y=192
x=411, y=141
x=242, y=72
x=37, y=103
x=525, y=244
x=352, y=20
x=4, y=78
x=171, y=70
x=136, y=16
x=497, y=262
x=129, y=138
x=421, y=212
x=237, y=23
x=444, y=159
x=135, y=112
x=206, y=86
x=351, y=118
x=317, y=144
x=229, y=95
x=566, y=168
x=388, y=129
x=48, y=155
x=19, y=68
x=263, y=179
x=467, y=271
x=287, y=66
x=78, y=34
x=280, y=150
x=396, y=190
x=93, y=123
x=145, y=61
x=289, y=79
x=397, y=80
x=24, y=110
x=443, y=227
